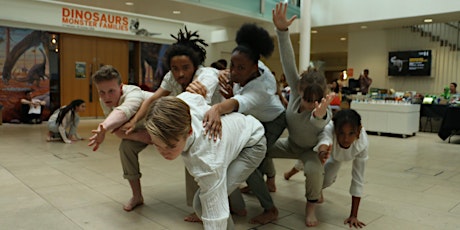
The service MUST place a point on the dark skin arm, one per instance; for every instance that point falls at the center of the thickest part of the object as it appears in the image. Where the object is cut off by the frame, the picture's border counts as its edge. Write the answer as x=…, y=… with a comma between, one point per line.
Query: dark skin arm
x=212, y=122
x=353, y=221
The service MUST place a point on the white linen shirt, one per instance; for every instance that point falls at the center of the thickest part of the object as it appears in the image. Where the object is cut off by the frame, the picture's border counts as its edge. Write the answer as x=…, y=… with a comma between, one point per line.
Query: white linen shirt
x=207, y=160
x=358, y=152
x=131, y=99
x=258, y=97
x=207, y=76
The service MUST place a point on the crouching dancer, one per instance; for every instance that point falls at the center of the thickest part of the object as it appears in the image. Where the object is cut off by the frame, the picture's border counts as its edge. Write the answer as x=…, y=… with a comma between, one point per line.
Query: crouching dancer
x=175, y=125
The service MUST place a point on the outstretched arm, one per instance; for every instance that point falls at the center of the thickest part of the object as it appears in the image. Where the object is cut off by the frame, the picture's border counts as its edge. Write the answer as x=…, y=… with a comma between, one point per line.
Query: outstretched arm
x=279, y=17
x=287, y=55
x=114, y=120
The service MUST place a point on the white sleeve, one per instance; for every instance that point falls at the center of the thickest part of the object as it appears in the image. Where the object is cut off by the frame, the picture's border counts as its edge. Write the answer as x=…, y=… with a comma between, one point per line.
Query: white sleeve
x=209, y=77
x=326, y=137
x=166, y=82
x=359, y=164
x=133, y=99
x=213, y=196
x=62, y=126
x=357, y=174
x=251, y=99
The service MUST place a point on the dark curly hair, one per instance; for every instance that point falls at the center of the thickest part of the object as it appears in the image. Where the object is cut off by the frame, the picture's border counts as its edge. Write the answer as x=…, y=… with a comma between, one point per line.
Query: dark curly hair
x=190, y=44
x=254, y=41
x=346, y=116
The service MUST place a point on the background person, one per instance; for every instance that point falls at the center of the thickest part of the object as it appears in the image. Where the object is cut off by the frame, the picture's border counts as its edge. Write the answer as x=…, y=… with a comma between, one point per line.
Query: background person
x=31, y=109
x=63, y=123
x=453, y=88
x=365, y=82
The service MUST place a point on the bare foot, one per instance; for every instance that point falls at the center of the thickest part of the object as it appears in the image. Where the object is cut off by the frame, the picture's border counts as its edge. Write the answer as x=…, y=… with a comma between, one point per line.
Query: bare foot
x=192, y=218
x=321, y=199
x=266, y=217
x=290, y=173
x=271, y=184
x=133, y=203
x=310, y=215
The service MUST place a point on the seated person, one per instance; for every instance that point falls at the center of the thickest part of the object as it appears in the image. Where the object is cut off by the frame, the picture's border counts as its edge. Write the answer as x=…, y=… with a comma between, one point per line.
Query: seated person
x=453, y=88
x=175, y=125
x=31, y=109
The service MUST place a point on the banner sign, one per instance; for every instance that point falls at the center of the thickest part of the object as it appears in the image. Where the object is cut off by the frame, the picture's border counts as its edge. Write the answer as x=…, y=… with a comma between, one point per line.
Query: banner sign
x=94, y=20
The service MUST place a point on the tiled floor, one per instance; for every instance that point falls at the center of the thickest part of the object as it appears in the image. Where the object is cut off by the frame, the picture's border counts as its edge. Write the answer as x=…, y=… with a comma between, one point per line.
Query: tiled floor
x=411, y=183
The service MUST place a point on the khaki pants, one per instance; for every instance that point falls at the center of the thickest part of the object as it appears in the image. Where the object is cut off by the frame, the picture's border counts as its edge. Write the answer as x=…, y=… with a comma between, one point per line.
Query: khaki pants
x=129, y=156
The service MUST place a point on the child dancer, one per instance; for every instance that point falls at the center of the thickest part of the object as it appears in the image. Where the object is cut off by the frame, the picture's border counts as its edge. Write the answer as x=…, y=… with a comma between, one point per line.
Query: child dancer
x=344, y=139
x=175, y=125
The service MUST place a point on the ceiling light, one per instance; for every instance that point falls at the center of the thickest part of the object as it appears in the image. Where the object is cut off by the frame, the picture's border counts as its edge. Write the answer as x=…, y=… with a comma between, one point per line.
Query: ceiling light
x=363, y=27
x=428, y=20
x=343, y=38
x=176, y=12
x=129, y=3
x=314, y=31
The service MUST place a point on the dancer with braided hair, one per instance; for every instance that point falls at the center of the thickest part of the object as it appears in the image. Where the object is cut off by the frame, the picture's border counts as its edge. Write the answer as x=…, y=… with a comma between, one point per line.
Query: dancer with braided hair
x=126, y=113
x=185, y=59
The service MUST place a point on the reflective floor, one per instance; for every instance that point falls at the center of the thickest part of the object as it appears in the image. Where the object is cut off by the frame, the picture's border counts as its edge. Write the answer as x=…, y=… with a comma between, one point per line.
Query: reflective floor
x=411, y=183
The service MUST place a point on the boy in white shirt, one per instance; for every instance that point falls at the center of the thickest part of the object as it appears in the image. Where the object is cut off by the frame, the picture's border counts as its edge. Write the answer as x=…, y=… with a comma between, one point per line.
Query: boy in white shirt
x=175, y=125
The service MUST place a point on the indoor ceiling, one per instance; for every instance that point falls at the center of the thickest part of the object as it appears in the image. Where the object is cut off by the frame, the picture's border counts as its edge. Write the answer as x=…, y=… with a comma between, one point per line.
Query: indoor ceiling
x=210, y=16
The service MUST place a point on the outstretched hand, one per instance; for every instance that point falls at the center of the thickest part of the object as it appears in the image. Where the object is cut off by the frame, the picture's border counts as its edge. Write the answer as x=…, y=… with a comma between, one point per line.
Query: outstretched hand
x=321, y=107
x=354, y=222
x=279, y=17
x=98, y=137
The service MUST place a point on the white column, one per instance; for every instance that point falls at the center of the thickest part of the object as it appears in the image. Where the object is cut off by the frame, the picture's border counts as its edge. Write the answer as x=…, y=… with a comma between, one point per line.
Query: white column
x=305, y=35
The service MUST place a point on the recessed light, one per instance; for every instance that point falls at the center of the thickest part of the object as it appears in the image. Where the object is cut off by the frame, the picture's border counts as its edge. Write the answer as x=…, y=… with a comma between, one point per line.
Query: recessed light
x=129, y=3
x=363, y=27
x=428, y=20
x=176, y=12
x=314, y=31
x=343, y=39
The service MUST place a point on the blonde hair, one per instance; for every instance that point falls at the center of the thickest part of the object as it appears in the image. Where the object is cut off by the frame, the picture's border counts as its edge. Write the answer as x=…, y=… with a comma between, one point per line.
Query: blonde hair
x=169, y=119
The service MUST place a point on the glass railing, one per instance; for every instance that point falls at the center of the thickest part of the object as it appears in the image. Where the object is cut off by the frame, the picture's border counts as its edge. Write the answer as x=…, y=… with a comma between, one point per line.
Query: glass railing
x=261, y=9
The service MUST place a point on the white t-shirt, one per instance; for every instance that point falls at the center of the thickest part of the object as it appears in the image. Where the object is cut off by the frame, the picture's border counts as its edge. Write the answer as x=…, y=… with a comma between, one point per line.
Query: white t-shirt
x=358, y=153
x=258, y=97
x=207, y=76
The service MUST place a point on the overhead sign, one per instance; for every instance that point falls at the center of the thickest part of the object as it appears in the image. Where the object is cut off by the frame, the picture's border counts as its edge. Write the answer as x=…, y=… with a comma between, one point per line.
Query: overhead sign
x=94, y=20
